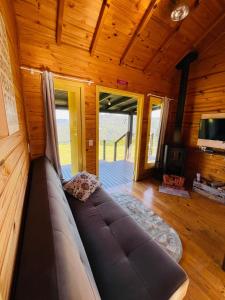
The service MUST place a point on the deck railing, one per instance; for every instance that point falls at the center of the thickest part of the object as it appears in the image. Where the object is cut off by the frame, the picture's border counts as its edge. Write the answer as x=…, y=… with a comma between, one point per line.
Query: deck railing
x=116, y=143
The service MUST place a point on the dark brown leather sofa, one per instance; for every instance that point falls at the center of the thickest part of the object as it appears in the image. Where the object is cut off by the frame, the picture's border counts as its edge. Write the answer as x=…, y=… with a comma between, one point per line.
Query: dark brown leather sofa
x=122, y=262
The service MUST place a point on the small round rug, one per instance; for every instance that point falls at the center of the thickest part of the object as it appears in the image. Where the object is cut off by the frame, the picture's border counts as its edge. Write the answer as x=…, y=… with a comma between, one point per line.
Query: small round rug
x=158, y=230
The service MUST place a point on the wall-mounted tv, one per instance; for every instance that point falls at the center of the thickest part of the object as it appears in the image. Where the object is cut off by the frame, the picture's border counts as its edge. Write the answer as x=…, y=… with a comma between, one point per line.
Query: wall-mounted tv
x=212, y=131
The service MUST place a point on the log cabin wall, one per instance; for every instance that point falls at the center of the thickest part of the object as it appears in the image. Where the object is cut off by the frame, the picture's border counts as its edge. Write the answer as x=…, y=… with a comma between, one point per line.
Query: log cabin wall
x=39, y=50
x=206, y=94
x=105, y=41
x=104, y=74
x=14, y=165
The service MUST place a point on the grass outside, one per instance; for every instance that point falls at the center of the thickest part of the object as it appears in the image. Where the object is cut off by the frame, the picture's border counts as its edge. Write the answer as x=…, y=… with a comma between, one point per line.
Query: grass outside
x=110, y=151
x=65, y=152
x=152, y=148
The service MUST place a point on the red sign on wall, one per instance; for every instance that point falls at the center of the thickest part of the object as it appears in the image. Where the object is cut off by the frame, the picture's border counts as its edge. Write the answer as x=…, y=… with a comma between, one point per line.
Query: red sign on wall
x=122, y=82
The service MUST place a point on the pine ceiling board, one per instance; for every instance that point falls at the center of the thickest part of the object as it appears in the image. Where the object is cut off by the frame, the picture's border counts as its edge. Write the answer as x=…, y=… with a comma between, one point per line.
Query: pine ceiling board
x=154, y=36
x=163, y=11
x=79, y=22
x=196, y=25
x=148, y=43
x=206, y=14
x=205, y=45
x=215, y=6
x=37, y=23
x=40, y=16
x=76, y=36
x=135, y=60
x=122, y=19
x=190, y=31
x=172, y=52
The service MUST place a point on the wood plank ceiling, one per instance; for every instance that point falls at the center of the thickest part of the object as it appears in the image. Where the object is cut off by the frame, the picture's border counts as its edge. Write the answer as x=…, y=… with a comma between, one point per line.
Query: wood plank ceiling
x=136, y=33
x=110, y=103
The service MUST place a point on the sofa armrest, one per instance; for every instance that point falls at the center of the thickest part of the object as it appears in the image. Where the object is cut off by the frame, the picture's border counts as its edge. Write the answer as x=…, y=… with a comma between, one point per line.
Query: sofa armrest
x=180, y=293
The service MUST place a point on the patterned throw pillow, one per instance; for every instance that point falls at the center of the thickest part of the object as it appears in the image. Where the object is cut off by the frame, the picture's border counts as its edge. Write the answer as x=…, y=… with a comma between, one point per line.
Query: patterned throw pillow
x=82, y=185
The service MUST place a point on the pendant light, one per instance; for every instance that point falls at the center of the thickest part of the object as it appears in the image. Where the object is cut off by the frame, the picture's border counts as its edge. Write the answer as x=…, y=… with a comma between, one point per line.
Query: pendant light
x=180, y=10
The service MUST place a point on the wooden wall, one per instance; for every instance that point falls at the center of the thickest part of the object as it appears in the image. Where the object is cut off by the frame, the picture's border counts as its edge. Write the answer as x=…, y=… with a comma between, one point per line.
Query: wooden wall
x=206, y=94
x=42, y=52
x=14, y=164
x=37, y=33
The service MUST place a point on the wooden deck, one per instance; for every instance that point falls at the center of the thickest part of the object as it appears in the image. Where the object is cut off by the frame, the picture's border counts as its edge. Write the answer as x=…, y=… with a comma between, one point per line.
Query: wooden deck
x=111, y=174
x=115, y=173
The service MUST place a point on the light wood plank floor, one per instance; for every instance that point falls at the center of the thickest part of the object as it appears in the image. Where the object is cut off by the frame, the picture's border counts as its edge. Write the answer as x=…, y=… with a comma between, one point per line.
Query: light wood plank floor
x=201, y=225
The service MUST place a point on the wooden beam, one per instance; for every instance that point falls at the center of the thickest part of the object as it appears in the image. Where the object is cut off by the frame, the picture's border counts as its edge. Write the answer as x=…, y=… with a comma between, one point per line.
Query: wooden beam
x=102, y=15
x=103, y=95
x=59, y=24
x=117, y=112
x=130, y=107
x=109, y=96
x=120, y=100
x=114, y=101
x=133, y=111
x=141, y=26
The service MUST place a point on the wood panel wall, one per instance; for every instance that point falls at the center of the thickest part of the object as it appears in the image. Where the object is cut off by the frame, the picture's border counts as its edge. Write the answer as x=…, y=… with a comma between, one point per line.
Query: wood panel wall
x=43, y=53
x=14, y=165
x=206, y=94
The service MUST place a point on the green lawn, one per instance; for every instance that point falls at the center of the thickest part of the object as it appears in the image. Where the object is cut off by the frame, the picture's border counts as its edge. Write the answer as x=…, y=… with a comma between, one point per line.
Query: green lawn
x=110, y=151
x=65, y=152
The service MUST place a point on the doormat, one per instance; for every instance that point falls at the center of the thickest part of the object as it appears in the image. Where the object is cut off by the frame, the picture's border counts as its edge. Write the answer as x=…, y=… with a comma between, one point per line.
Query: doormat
x=173, y=191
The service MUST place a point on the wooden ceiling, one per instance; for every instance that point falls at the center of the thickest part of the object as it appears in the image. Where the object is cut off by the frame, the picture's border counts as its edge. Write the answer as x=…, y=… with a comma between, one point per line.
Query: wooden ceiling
x=110, y=103
x=136, y=33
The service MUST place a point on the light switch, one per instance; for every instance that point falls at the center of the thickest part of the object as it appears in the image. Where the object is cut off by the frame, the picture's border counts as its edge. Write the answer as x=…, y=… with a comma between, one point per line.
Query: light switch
x=90, y=143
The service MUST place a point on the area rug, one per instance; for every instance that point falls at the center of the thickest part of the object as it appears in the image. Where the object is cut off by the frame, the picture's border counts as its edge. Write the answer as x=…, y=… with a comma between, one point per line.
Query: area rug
x=158, y=230
x=174, y=192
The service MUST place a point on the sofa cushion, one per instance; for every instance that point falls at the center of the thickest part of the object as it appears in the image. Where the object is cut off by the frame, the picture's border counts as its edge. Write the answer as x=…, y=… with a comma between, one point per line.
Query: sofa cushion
x=82, y=185
x=127, y=264
x=53, y=263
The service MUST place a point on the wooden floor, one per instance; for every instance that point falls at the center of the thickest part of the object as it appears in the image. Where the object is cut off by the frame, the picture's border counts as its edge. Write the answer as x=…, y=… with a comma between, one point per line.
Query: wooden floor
x=201, y=225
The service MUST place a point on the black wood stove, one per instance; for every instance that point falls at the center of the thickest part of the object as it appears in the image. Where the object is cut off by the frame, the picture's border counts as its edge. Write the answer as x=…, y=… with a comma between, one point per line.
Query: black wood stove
x=175, y=153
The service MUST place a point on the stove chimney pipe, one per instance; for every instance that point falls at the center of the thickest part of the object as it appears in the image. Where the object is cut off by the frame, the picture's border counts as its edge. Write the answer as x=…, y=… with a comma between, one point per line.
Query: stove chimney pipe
x=184, y=66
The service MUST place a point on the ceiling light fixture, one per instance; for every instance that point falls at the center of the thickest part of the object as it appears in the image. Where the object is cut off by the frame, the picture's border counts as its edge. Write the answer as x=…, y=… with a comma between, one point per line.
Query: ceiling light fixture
x=180, y=11
x=109, y=102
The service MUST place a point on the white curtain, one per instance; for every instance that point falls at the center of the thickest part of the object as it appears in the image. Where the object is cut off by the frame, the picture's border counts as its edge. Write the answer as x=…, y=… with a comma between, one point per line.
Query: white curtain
x=164, y=119
x=51, y=150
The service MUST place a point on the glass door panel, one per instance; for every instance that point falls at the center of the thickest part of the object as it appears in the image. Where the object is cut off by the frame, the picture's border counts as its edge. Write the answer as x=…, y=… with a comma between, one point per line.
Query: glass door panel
x=69, y=127
x=154, y=125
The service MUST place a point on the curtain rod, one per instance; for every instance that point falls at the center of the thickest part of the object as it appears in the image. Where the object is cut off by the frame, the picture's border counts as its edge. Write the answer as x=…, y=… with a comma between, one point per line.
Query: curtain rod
x=160, y=97
x=33, y=70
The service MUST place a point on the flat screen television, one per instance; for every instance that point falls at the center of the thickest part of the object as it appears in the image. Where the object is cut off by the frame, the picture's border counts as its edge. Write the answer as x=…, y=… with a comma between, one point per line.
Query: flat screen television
x=212, y=131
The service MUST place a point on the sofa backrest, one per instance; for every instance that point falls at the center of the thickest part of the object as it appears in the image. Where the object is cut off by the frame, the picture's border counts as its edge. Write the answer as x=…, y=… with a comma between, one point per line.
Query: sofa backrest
x=53, y=262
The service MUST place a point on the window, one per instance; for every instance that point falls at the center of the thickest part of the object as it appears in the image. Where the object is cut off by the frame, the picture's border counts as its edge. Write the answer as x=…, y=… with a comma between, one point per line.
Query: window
x=154, y=125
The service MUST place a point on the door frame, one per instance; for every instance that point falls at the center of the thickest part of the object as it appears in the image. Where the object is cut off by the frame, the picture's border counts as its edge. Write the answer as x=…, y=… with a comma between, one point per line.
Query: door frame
x=71, y=86
x=140, y=100
x=152, y=100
